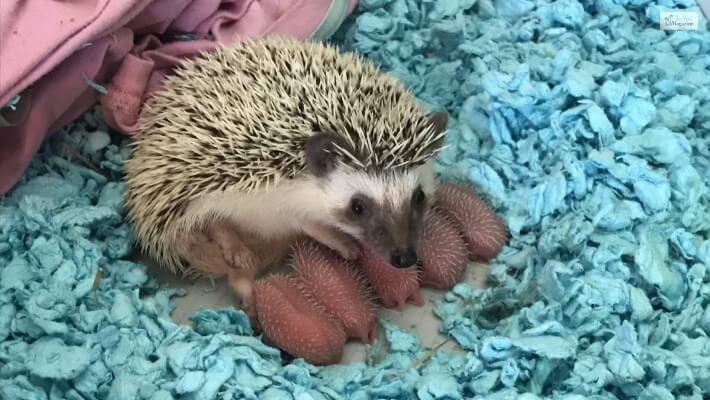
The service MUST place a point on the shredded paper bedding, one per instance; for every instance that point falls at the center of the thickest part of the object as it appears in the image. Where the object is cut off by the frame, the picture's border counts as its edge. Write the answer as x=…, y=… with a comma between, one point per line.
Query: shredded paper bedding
x=584, y=124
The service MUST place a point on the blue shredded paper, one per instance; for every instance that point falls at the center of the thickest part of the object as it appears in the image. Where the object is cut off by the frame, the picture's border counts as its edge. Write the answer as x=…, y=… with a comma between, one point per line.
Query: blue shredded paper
x=585, y=126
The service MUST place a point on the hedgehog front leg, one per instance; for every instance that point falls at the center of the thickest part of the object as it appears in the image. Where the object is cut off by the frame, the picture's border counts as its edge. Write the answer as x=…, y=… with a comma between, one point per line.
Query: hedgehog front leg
x=219, y=251
x=243, y=265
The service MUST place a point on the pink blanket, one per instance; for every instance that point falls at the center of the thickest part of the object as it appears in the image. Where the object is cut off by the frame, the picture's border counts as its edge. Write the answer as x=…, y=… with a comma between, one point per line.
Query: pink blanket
x=61, y=57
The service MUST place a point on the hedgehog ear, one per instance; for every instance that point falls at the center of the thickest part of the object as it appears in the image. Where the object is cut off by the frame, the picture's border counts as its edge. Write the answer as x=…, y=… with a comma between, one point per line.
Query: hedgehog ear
x=439, y=120
x=321, y=152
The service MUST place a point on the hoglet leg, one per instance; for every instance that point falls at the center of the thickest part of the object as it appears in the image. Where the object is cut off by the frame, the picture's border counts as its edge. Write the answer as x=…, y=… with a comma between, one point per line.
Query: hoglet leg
x=219, y=251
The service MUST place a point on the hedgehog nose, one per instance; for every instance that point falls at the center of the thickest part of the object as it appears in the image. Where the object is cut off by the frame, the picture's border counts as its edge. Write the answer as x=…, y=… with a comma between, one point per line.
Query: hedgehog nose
x=403, y=258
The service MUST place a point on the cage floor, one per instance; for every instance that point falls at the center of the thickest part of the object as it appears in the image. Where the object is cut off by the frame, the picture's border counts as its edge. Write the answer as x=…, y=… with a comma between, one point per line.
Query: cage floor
x=202, y=294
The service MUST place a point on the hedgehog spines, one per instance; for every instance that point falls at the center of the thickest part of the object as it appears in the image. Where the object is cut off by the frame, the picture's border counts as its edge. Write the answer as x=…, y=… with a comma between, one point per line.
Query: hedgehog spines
x=236, y=118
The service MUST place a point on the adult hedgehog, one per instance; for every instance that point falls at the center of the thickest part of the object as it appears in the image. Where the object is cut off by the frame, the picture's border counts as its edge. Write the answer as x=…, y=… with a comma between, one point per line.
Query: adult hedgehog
x=251, y=146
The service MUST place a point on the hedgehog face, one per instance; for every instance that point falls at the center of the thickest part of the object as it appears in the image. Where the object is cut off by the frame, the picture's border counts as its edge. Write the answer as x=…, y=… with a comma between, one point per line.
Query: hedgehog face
x=381, y=211
x=385, y=212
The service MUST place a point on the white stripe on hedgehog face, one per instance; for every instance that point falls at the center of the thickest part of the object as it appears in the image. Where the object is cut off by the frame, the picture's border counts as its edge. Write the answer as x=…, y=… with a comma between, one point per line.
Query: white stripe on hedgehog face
x=394, y=205
x=383, y=211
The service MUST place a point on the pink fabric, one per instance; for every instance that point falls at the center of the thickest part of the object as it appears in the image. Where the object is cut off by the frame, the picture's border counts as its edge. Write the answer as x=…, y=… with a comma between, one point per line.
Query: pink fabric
x=47, y=47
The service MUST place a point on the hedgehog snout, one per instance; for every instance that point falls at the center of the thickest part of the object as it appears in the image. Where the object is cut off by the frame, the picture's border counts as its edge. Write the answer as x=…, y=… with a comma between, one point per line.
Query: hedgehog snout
x=404, y=258
x=398, y=245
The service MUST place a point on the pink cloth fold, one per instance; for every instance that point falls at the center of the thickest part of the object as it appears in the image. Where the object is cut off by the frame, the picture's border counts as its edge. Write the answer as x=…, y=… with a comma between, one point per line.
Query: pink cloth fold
x=48, y=50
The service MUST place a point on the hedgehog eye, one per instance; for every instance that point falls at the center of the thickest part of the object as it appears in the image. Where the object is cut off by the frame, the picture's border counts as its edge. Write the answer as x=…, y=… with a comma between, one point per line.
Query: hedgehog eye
x=418, y=197
x=357, y=206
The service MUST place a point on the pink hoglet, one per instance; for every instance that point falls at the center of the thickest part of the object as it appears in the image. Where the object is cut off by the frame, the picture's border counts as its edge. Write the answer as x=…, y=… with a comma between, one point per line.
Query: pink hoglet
x=311, y=314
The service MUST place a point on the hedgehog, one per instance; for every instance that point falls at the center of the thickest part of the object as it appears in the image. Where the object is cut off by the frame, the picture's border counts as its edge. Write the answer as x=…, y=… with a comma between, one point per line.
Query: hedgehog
x=248, y=148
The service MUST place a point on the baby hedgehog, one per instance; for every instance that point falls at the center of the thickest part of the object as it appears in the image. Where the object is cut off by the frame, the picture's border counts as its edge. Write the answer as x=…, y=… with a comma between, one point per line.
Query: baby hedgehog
x=247, y=148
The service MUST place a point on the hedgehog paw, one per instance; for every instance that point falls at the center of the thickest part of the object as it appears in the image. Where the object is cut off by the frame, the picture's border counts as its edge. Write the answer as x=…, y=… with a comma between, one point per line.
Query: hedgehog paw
x=205, y=255
x=350, y=249
x=234, y=251
x=218, y=251
x=242, y=284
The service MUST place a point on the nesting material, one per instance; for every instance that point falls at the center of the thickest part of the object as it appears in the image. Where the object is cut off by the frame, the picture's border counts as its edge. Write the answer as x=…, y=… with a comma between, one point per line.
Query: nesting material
x=582, y=123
